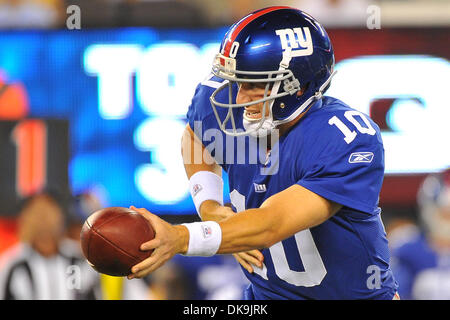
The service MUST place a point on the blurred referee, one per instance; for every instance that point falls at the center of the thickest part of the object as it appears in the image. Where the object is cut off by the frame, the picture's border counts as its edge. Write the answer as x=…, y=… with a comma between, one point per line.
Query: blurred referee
x=44, y=265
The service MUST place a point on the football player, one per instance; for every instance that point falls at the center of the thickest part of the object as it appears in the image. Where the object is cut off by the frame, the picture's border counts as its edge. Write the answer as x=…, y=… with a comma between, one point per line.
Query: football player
x=307, y=222
x=421, y=261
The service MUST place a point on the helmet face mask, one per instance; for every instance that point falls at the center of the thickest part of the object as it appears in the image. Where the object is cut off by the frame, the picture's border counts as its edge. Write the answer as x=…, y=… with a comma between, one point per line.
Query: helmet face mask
x=267, y=47
x=270, y=80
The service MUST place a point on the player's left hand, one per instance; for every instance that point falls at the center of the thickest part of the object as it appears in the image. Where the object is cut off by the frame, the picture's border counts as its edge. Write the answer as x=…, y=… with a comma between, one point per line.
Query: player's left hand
x=248, y=260
x=169, y=240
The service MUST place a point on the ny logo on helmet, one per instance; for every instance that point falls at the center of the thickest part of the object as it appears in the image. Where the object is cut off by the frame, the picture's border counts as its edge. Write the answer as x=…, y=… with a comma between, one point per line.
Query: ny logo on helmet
x=297, y=39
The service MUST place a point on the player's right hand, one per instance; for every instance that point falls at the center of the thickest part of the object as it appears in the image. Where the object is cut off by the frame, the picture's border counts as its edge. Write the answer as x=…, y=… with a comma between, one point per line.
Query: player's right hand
x=169, y=240
x=250, y=259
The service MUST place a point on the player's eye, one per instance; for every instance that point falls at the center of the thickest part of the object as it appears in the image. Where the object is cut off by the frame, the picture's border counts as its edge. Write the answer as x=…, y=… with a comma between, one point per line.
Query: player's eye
x=259, y=85
x=252, y=85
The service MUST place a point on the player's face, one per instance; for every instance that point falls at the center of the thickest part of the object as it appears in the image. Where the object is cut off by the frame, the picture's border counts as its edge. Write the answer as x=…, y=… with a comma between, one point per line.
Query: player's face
x=252, y=91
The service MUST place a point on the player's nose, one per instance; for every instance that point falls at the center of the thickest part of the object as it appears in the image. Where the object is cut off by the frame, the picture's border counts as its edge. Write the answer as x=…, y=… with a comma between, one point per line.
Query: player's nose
x=243, y=96
x=247, y=95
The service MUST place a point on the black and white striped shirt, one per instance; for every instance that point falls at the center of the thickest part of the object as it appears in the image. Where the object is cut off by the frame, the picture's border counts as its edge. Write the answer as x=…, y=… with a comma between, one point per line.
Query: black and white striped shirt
x=26, y=275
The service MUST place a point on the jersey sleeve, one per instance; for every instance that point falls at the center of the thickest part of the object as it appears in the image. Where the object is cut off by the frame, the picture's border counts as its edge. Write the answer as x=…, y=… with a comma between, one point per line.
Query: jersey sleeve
x=351, y=173
x=200, y=110
x=202, y=120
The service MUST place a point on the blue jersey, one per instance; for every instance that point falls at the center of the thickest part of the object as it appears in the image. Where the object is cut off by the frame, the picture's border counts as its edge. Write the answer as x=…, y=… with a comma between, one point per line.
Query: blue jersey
x=337, y=153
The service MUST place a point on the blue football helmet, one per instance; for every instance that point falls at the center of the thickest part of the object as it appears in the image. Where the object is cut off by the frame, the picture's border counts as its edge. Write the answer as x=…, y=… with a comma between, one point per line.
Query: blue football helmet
x=284, y=48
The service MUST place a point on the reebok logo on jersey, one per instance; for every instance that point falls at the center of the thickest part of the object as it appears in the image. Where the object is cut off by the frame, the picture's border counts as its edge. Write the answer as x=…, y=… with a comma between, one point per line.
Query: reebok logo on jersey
x=357, y=157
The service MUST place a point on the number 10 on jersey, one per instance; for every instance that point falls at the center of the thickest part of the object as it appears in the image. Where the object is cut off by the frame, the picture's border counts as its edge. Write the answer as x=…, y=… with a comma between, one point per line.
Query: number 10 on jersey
x=350, y=135
x=315, y=270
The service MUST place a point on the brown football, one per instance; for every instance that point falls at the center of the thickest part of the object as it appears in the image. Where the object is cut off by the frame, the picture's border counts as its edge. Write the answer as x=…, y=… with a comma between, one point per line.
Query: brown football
x=111, y=240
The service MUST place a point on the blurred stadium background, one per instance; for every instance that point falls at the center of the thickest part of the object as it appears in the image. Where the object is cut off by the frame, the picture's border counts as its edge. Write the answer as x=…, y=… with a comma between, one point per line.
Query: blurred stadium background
x=92, y=114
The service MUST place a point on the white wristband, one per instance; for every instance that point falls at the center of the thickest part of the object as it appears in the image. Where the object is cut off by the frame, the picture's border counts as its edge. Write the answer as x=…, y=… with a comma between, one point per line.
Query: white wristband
x=204, y=238
x=205, y=185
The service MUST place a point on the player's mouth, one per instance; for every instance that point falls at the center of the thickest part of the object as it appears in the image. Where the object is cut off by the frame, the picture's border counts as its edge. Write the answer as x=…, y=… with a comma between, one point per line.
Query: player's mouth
x=252, y=114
